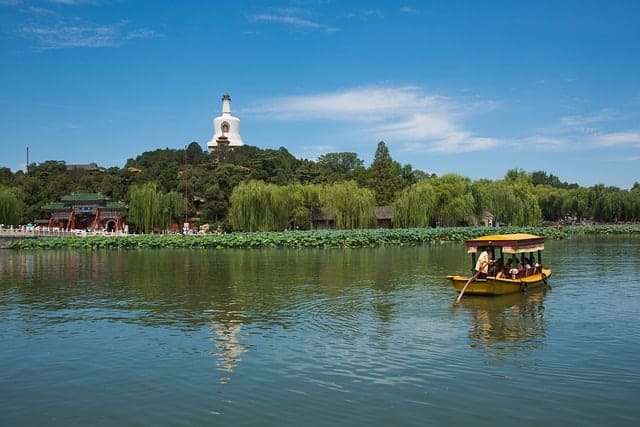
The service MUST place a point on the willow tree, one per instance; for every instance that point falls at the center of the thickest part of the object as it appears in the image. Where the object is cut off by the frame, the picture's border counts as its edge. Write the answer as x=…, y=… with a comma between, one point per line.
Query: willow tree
x=10, y=206
x=351, y=206
x=303, y=199
x=529, y=212
x=454, y=200
x=173, y=207
x=415, y=206
x=512, y=202
x=258, y=206
x=146, y=208
x=496, y=198
x=634, y=199
x=551, y=201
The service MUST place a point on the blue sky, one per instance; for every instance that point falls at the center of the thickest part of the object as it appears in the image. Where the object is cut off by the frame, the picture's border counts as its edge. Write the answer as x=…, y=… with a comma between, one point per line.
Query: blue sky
x=469, y=87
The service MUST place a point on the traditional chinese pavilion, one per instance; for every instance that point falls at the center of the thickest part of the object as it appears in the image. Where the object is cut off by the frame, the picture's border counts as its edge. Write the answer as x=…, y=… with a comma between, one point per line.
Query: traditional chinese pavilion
x=86, y=211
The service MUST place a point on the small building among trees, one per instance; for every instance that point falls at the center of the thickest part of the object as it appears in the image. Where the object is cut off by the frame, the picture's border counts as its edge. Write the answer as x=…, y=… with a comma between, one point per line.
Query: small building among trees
x=83, y=211
x=324, y=219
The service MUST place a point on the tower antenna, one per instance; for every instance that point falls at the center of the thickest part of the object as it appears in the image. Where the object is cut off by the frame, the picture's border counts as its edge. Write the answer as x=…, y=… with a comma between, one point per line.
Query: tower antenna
x=186, y=189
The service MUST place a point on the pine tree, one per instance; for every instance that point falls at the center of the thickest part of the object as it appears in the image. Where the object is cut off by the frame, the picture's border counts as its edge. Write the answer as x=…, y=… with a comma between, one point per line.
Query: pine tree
x=385, y=176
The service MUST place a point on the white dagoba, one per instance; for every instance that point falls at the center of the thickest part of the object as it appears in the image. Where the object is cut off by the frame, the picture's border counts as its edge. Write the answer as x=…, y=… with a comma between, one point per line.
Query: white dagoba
x=226, y=128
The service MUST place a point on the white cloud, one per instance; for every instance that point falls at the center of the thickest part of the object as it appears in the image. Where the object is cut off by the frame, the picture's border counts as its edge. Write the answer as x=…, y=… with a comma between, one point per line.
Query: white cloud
x=420, y=126
x=50, y=28
x=293, y=18
x=74, y=2
x=407, y=9
x=590, y=119
x=364, y=104
x=545, y=142
x=70, y=33
x=630, y=138
x=574, y=141
x=287, y=19
x=421, y=121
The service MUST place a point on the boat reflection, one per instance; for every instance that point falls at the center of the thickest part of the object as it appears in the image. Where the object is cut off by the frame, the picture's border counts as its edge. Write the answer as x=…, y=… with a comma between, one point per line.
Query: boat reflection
x=507, y=324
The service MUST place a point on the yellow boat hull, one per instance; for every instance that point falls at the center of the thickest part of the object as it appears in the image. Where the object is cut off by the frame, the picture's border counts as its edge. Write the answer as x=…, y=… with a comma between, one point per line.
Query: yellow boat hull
x=494, y=286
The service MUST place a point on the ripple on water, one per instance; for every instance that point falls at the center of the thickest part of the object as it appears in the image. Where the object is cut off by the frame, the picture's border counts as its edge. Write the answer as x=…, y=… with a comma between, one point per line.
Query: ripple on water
x=377, y=342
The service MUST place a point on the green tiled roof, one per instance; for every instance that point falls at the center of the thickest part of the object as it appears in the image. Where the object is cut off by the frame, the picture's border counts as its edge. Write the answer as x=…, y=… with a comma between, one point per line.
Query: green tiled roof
x=115, y=205
x=96, y=200
x=55, y=205
x=83, y=197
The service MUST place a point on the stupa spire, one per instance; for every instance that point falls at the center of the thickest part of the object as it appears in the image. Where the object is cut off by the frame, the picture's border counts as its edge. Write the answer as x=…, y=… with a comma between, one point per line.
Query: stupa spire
x=226, y=128
x=226, y=104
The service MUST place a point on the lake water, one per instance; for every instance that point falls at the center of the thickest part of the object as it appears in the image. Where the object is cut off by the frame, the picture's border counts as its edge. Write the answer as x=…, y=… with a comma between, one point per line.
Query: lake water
x=359, y=337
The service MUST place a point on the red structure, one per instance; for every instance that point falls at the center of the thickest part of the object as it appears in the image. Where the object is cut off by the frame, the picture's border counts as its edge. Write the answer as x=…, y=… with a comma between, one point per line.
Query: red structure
x=86, y=211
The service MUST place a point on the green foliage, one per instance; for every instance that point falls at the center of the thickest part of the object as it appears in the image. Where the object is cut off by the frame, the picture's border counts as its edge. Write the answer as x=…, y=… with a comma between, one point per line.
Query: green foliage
x=512, y=201
x=304, y=239
x=351, y=206
x=338, y=166
x=151, y=209
x=385, y=177
x=454, y=200
x=259, y=206
x=11, y=206
x=210, y=185
x=551, y=201
x=416, y=206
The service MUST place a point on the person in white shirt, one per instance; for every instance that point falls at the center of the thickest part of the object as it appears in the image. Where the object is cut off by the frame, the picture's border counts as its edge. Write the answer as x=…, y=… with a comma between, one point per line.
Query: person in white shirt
x=482, y=265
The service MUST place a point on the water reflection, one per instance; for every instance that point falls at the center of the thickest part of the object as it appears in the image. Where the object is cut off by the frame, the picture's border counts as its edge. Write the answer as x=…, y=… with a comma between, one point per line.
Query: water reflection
x=230, y=348
x=507, y=324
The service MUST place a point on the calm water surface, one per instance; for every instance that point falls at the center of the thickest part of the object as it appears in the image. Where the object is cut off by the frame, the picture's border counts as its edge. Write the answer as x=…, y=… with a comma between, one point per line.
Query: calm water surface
x=366, y=337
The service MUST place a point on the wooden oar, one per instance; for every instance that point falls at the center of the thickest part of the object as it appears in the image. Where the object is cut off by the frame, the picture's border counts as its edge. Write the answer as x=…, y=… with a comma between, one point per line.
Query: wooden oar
x=471, y=279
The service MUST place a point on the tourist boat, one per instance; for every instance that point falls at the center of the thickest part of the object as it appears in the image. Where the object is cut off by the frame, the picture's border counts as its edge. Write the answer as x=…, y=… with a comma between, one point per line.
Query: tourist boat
x=520, y=249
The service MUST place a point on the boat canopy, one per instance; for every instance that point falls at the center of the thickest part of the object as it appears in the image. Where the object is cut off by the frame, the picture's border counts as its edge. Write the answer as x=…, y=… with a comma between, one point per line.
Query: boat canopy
x=510, y=243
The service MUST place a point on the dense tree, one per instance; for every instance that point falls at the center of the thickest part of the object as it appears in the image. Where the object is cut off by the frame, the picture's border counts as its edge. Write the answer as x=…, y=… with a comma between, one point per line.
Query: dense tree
x=151, y=209
x=259, y=206
x=454, y=200
x=576, y=203
x=351, y=206
x=542, y=178
x=552, y=202
x=385, y=177
x=519, y=198
x=416, y=206
x=10, y=206
x=511, y=201
x=6, y=177
x=338, y=166
x=304, y=199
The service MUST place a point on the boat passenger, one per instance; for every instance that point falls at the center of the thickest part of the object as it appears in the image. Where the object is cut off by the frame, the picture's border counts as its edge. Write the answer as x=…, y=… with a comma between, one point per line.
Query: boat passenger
x=527, y=267
x=500, y=269
x=513, y=272
x=496, y=268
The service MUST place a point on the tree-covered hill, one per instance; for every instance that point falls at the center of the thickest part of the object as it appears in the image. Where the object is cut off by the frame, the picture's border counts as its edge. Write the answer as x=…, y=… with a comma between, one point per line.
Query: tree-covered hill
x=418, y=198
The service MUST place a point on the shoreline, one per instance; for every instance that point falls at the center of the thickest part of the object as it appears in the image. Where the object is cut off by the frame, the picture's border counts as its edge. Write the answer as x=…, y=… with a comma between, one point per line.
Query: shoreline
x=320, y=239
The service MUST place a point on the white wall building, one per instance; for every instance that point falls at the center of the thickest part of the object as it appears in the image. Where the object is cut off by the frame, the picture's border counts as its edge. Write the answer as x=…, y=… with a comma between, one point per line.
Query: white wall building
x=226, y=128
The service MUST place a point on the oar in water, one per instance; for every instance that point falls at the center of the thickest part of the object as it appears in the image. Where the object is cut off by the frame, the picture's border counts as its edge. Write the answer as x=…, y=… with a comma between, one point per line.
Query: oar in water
x=474, y=277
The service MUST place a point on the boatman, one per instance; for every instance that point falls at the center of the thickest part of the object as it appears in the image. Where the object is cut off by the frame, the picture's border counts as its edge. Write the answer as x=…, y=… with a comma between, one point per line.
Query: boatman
x=482, y=266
